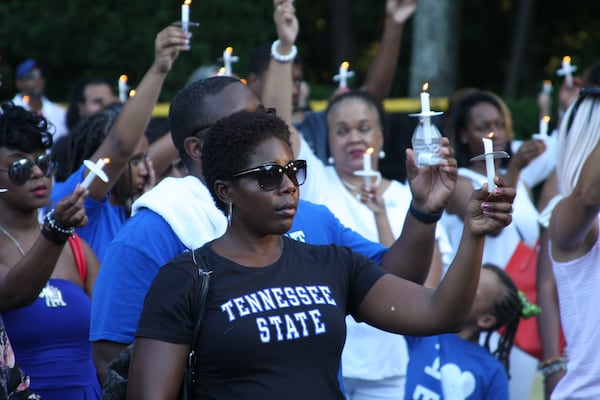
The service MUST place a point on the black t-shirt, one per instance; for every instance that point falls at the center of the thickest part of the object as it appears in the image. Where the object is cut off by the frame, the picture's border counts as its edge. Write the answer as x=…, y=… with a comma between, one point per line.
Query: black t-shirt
x=275, y=332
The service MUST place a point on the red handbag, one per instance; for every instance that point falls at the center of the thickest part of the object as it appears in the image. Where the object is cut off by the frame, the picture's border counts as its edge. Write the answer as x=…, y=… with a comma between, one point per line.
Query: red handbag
x=522, y=268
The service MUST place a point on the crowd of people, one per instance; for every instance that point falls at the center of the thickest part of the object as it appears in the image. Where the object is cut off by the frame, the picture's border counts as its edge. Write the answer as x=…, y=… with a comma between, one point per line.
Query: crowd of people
x=327, y=279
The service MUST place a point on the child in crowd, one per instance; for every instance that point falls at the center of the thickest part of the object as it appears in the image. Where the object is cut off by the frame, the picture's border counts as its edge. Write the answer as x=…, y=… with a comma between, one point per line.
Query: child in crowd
x=456, y=366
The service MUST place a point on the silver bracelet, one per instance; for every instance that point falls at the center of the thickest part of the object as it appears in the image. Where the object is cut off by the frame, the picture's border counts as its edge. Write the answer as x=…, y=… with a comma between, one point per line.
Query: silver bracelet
x=52, y=224
x=281, y=57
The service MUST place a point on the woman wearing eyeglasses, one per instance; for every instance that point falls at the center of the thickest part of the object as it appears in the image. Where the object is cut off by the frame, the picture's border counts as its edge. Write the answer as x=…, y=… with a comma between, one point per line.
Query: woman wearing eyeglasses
x=575, y=248
x=45, y=286
x=275, y=315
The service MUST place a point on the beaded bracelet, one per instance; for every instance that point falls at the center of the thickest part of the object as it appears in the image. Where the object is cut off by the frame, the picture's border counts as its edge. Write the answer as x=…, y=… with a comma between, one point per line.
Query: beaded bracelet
x=424, y=216
x=552, y=365
x=281, y=57
x=55, y=232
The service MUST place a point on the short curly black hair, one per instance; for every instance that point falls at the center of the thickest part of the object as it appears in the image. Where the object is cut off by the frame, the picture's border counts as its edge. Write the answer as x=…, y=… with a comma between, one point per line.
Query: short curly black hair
x=84, y=140
x=230, y=142
x=23, y=130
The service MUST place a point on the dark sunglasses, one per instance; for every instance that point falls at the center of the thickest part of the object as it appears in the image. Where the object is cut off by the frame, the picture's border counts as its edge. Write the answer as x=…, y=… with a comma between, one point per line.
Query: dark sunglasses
x=20, y=171
x=270, y=175
x=593, y=91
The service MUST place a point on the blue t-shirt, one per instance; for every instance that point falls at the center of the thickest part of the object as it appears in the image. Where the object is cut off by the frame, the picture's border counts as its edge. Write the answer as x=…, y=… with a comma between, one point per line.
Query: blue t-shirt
x=147, y=242
x=450, y=367
x=104, y=219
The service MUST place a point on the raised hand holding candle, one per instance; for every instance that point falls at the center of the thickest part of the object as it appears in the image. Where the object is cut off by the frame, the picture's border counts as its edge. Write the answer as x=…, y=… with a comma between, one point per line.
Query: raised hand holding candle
x=343, y=75
x=123, y=88
x=488, y=150
x=567, y=70
x=185, y=15
x=228, y=59
x=95, y=170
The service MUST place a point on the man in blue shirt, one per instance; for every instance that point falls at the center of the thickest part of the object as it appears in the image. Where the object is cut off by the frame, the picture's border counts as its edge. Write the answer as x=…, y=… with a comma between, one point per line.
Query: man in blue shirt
x=178, y=214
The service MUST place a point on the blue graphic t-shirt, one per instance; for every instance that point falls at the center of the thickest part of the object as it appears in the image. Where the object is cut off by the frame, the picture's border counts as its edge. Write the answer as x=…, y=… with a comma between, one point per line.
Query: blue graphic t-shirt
x=451, y=368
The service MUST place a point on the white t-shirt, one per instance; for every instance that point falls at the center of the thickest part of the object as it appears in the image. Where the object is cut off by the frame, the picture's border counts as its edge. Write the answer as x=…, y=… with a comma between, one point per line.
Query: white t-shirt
x=369, y=353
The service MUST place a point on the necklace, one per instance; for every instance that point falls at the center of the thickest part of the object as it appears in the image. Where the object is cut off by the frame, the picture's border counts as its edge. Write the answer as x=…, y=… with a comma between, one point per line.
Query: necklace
x=16, y=243
x=51, y=294
x=353, y=188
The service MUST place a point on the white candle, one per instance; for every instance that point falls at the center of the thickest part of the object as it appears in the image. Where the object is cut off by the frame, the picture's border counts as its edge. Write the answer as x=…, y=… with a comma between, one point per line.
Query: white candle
x=566, y=66
x=544, y=126
x=95, y=170
x=425, y=110
x=123, y=88
x=343, y=75
x=567, y=70
x=547, y=88
x=367, y=169
x=228, y=59
x=425, y=106
x=185, y=15
x=488, y=149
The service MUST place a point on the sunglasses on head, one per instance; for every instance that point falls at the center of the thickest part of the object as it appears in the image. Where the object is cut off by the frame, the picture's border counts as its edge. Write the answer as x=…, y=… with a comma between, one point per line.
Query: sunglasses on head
x=270, y=175
x=20, y=171
x=593, y=91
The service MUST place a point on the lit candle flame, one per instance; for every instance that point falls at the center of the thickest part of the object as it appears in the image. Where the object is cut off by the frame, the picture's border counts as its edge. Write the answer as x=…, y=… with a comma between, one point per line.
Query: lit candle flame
x=546, y=118
x=222, y=71
x=245, y=82
x=187, y=2
x=123, y=78
x=425, y=86
x=566, y=59
x=26, y=99
x=132, y=93
x=547, y=82
x=370, y=150
x=229, y=50
x=106, y=160
x=490, y=135
x=345, y=64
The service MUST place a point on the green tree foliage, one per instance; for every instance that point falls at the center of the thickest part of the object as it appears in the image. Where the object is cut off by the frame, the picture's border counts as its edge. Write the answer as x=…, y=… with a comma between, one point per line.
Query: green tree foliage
x=111, y=37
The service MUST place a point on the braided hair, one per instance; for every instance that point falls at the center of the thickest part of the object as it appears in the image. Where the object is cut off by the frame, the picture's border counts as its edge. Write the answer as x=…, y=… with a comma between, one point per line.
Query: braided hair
x=84, y=140
x=507, y=311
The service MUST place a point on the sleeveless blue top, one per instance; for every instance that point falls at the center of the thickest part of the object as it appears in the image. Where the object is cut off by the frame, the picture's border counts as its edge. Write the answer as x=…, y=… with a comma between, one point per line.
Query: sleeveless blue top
x=50, y=341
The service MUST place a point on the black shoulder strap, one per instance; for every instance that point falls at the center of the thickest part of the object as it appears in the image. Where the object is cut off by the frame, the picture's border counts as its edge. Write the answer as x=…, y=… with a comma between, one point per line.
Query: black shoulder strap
x=204, y=280
x=204, y=276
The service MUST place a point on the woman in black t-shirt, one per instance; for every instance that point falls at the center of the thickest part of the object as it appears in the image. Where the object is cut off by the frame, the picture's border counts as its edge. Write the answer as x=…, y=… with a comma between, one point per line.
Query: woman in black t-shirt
x=275, y=313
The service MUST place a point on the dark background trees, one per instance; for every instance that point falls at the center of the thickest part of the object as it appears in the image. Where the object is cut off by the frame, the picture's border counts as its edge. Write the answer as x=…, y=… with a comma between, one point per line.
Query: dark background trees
x=507, y=46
